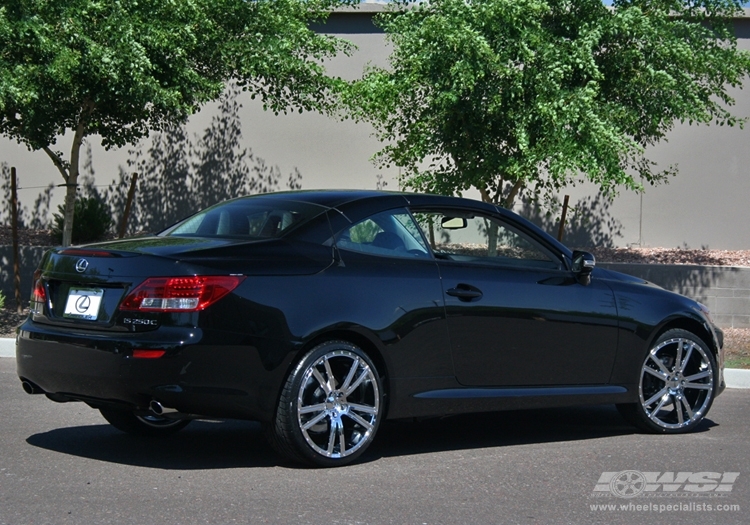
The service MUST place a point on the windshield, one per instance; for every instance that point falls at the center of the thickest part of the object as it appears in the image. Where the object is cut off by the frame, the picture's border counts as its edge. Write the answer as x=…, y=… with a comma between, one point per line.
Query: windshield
x=250, y=217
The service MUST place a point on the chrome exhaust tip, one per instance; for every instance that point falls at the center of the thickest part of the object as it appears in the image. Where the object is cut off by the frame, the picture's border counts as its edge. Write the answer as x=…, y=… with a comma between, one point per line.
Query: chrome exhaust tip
x=159, y=409
x=31, y=388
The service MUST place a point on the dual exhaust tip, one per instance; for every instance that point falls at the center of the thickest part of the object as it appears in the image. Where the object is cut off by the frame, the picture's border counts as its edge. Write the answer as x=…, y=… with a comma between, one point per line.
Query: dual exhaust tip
x=31, y=388
x=159, y=409
x=154, y=406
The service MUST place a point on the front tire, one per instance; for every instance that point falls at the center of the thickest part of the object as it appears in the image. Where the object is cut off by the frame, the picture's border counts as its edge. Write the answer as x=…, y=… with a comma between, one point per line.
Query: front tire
x=330, y=407
x=148, y=426
x=677, y=385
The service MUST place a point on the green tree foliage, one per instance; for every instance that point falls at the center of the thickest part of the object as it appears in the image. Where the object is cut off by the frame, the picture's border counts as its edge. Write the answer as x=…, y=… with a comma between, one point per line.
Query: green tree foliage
x=121, y=68
x=502, y=95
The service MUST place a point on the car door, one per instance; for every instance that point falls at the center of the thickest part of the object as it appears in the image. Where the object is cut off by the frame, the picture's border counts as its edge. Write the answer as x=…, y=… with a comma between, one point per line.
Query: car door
x=388, y=282
x=516, y=314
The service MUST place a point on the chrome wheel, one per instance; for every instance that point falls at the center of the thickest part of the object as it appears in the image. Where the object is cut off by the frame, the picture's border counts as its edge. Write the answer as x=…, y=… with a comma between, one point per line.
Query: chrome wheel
x=330, y=407
x=677, y=382
x=338, y=404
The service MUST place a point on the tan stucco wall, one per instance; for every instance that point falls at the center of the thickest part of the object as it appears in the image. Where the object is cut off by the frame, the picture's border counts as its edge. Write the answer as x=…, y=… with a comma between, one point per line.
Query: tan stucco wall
x=705, y=205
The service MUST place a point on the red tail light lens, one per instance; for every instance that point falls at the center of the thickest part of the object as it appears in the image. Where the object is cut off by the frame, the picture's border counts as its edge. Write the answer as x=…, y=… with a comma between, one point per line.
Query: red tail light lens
x=82, y=252
x=38, y=292
x=148, y=354
x=180, y=294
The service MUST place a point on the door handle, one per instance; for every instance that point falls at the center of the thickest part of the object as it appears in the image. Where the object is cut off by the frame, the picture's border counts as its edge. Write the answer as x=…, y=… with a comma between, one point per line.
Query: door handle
x=465, y=292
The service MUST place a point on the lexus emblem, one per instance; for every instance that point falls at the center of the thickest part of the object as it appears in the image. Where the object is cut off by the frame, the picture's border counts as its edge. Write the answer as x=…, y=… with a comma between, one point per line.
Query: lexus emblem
x=81, y=265
x=83, y=303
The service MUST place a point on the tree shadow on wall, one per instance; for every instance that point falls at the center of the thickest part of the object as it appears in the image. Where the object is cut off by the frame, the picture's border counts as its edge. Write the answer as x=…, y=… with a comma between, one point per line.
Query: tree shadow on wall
x=6, y=205
x=701, y=283
x=178, y=176
x=588, y=223
x=38, y=217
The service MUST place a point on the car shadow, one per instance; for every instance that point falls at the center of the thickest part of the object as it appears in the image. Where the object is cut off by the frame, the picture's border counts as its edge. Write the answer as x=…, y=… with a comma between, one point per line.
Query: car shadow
x=201, y=445
x=505, y=429
x=240, y=444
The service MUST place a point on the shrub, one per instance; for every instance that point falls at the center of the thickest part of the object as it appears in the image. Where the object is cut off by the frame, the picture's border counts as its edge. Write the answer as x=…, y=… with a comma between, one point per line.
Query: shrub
x=91, y=221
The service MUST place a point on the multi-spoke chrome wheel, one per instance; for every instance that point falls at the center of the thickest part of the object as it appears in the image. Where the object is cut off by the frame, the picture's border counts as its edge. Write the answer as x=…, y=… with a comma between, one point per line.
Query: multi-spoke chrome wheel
x=331, y=406
x=677, y=384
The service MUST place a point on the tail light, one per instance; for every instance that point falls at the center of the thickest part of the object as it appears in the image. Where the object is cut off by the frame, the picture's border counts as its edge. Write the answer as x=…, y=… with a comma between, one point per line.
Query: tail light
x=180, y=294
x=86, y=252
x=148, y=354
x=38, y=292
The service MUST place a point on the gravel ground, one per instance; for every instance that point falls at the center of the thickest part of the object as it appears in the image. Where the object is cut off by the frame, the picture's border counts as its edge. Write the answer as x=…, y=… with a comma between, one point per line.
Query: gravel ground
x=672, y=256
x=9, y=319
x=737, y=347
x=26, y=237
x=737, y=340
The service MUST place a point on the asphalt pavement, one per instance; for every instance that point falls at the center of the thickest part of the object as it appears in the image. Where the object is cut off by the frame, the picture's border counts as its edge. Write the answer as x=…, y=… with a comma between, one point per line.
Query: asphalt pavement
x=62, y=464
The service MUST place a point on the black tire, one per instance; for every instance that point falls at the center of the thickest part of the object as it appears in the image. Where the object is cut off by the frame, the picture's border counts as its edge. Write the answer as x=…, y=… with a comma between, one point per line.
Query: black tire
x=330, y=407
x=148, y=426
x=677, y=384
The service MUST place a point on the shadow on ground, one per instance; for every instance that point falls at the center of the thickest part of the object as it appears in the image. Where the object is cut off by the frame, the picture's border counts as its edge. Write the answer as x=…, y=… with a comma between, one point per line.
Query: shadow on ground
x=202, y=445
x=505, y=429
x=240, y=444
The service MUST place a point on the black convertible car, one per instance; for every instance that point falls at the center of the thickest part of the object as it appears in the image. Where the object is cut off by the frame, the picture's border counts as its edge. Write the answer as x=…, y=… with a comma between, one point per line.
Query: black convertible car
x=322, y=313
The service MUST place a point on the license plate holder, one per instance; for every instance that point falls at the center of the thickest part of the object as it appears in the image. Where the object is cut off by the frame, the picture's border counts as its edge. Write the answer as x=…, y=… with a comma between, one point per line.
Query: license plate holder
x=83, y=303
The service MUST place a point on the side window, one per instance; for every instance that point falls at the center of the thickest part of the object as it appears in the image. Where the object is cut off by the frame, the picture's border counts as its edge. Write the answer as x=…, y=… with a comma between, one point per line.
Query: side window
x=481, y=239
x=392, y=233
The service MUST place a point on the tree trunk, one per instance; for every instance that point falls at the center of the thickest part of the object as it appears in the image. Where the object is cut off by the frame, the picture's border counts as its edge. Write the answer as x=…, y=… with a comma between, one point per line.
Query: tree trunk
x=491, y=239
x=69, y=210
x=498, y=199
x=73, y=170
x=508, y=201
x=14, y=238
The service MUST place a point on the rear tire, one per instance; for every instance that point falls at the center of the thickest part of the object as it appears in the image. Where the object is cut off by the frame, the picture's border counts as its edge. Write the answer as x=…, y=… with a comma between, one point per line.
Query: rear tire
x=676, y=386
x=330, y=407
x=148, y=426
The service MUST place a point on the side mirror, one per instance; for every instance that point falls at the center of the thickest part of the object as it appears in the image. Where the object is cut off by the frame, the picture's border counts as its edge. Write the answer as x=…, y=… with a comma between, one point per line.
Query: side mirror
x=583, y=265
x=453, y=223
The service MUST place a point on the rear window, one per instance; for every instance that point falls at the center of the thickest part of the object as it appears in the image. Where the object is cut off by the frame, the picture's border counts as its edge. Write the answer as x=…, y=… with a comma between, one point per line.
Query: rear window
x=251, y=218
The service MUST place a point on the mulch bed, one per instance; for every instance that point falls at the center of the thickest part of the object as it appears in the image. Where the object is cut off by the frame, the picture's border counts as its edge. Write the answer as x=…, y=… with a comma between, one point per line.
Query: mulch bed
x=26, y=237
x=9, y=319
x=672, y=256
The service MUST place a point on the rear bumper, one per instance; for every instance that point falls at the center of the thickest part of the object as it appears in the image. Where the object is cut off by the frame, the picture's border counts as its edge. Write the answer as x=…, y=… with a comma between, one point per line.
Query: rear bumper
x=197, y=375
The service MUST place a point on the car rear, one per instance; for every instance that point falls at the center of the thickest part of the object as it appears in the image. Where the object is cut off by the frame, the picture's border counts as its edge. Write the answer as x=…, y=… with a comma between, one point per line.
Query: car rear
x=98, y=315
x=162, y=318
